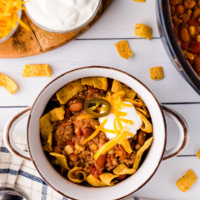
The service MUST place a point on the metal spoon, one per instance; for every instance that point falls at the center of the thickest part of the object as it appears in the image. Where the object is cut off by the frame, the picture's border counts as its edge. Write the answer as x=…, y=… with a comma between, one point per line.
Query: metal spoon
x=11, y=194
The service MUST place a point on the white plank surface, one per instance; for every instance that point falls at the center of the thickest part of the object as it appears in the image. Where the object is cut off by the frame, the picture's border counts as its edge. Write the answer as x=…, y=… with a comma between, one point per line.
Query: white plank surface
x=163, y=184
x=96, y=47
x=99, y=52
x=120, y=19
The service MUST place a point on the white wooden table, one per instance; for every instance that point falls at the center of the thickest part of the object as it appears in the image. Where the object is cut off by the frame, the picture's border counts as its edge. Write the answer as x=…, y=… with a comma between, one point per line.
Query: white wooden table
x=96, y=47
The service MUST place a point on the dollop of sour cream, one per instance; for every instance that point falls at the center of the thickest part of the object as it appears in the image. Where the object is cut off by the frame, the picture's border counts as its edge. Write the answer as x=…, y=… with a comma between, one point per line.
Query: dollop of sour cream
x=131, y=115
x=61, y=15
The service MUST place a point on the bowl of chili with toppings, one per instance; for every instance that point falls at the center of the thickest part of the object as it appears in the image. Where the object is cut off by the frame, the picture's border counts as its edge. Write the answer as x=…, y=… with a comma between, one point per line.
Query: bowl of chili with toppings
x=96, y=130
x=179, y=26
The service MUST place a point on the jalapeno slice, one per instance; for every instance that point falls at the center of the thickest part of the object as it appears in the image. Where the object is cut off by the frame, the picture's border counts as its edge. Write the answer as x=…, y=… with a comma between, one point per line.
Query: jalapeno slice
x=92, y=105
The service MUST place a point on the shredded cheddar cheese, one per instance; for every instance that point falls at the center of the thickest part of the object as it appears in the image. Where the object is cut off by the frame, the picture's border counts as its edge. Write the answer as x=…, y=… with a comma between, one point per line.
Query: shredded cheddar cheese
x=96, y=131
x=121, y=132
x=84, y=117
x=125, y=144
x=117, y=104
x=111, y=143
x=9, y=17
x=125, y=120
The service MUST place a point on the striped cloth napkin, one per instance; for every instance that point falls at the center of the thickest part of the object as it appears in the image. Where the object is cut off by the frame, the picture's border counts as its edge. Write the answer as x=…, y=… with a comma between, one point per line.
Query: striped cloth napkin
x=22, y=175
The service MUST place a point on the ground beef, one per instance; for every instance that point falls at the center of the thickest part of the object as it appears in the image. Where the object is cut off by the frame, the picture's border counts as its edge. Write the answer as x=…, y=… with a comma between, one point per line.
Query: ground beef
x=86, y=123
x=89, y=93
x=64, y=131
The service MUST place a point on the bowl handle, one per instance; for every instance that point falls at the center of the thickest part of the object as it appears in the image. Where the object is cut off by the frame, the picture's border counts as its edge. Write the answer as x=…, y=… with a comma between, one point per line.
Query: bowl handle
x=183, y=133
x=8, y=135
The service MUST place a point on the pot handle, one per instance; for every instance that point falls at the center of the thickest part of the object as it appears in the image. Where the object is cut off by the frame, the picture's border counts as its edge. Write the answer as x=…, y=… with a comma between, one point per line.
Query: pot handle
x=8, y=135
x=183, y=133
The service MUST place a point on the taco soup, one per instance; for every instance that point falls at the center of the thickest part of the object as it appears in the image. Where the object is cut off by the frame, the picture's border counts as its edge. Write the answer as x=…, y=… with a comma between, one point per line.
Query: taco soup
x=96, y=130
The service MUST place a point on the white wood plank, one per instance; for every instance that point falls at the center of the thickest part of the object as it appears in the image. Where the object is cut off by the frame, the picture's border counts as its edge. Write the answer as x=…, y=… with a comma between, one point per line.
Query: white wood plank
x=120, y=19
x=7, y=113
x=99, y=52
x=163, y=184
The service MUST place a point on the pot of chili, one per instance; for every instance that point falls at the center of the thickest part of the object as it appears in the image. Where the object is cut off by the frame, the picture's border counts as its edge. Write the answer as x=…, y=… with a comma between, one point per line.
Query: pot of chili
x=179, y=27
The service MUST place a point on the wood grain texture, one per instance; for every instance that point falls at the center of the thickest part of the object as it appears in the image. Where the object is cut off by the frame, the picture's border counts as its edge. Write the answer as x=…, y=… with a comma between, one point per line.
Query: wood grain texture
x=21, y=44
x=28, y=43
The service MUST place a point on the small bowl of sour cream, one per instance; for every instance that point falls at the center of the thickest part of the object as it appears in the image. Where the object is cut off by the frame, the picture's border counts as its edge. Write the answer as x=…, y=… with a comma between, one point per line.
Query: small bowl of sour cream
x=61, y=16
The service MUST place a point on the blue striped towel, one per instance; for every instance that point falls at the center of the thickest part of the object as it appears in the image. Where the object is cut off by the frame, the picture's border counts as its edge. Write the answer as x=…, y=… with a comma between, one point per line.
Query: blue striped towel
x=22, y=175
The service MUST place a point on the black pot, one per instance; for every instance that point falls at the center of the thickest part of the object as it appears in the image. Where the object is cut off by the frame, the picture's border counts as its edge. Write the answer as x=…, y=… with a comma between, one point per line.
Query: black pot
x=172, y=46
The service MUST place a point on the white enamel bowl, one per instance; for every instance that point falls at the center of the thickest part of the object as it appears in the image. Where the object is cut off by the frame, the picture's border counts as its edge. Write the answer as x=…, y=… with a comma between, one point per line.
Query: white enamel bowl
x=134, y=182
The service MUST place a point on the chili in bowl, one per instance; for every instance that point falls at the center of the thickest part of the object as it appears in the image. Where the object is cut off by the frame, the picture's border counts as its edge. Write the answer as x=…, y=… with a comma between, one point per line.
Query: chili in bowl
x=96, y=132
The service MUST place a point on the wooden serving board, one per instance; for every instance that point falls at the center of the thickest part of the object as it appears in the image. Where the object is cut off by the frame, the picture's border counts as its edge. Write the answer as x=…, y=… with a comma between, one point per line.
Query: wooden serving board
x=28, y=43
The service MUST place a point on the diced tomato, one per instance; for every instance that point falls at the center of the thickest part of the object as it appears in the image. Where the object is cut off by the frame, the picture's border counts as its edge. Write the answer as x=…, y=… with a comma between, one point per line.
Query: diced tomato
x=95, y=172
x=194, y=47
x=69, y=142
x=192, y=22
x=93, y=169
x=122, y=177
x=108, y=159
x=73, y=157
x=100, y=162
x=184, y=45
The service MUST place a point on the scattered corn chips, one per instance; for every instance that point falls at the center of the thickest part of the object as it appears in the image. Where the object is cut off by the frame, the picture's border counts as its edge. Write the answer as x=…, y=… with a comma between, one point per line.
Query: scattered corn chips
x=9, y=17
x=61, y=160
x=96, y=82
x=48, y=144
x=45, y=126
x=68, y=91
x=198, y=154
x=36, y=70
x=77, y=175
x=107, y=178
x=122, y=169
x=186, y=181
x=140, y=153
x=8, y=84
x=57, y=114
x=146, y=125
x=117, y=86
x=94, y=181
x=144, y=31
x=156, y=73
x=124, y=49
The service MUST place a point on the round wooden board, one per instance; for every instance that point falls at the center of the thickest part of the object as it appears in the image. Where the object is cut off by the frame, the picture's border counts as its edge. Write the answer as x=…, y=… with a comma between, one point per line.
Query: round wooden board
x=28, y=43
